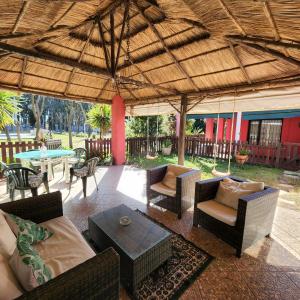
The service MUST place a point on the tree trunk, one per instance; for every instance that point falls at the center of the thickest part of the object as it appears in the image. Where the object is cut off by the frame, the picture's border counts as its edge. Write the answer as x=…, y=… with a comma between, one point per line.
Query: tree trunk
x=18, y=129
x=70, y=136
x=7, y=134
x=181, y=138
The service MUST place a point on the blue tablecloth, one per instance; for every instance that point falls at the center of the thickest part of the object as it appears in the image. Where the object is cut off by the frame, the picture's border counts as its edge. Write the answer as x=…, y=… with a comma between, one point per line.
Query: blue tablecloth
x=37, y=154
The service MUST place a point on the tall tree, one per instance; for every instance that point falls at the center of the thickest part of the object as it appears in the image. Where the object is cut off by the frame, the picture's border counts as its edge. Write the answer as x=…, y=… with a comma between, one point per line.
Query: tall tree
x=70, y=110
x=38, y=104
x=9, y=105
x=99, y=116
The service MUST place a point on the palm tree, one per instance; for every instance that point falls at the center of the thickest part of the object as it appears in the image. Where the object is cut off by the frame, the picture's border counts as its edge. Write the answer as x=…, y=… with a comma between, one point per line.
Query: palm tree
x=9, y=105
x=99, y=116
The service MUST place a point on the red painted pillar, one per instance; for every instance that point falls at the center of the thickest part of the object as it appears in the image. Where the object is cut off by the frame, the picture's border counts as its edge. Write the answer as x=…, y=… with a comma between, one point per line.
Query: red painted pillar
x=118, y=130
x=228, y=129
x=244, y=130
x=221, y=129
x=209, y=129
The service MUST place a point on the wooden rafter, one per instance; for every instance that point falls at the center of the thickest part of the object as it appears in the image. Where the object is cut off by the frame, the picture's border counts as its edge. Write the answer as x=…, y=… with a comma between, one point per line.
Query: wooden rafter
x=20, y=16
x=79, y=59
x=51, y=94
x=60, y=31
x=13, y=36
x=271, y=20
x=171, y=104
x=63, y=15
x=195, y=104
x=172, y=56
x=178, y=45
x=73, y=63
x=101, y=33
x=112, y=43
x=232, y=17
x=146, y=78
x=239, y=62
x=125, y=16
x=21, y=80
x=274, y=53
x=265, y=42
x=103, y=88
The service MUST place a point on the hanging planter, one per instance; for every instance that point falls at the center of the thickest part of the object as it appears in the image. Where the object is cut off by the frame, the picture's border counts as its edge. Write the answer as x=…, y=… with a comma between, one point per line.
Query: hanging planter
x=242, y=156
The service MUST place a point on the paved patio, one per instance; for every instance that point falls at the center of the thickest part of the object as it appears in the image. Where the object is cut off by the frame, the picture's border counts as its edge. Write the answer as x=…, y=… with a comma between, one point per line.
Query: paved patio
x=268, y=270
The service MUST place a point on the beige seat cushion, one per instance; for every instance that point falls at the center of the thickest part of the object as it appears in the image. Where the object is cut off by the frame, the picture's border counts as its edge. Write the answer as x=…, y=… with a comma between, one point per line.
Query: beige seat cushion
x=163, y=189
x=8, y=240
x=65, y=249
x=219, y=211
x=172, y=172
x=9, y=286
x=229, y=191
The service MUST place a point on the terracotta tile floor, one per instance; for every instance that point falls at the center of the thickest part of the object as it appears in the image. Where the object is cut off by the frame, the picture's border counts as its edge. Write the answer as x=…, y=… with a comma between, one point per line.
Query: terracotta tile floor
x=268, y=270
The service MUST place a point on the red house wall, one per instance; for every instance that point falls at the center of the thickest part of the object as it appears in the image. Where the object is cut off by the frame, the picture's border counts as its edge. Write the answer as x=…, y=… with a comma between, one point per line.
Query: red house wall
x=244, y=131
x=290, y=130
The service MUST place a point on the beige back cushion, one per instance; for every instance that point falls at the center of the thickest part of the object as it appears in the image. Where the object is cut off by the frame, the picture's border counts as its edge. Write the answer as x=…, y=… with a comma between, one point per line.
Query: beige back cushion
x=172, y=172
x=8, y=240
x=230, y=191
x=9, y=286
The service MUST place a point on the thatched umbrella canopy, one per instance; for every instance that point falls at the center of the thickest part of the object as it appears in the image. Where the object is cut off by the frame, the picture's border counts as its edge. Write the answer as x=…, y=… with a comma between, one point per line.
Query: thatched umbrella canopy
x=156, y=51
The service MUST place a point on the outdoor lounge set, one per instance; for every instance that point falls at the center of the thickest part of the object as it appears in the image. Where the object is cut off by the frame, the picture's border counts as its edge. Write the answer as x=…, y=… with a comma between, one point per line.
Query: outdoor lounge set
x=239, y=212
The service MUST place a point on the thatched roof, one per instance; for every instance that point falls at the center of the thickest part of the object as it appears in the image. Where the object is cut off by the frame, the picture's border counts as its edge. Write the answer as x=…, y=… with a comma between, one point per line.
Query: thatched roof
x=199, y=48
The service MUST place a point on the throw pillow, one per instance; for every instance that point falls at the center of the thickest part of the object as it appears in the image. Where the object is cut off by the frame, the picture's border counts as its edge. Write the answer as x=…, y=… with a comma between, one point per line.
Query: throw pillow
x=170, y=180
x=7, y=237
x=27, y=265
x=27, y=227
x=229, y=191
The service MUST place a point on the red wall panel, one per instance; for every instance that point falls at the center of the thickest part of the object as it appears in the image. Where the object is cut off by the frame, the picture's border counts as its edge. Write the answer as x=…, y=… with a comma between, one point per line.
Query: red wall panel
x=290, y=130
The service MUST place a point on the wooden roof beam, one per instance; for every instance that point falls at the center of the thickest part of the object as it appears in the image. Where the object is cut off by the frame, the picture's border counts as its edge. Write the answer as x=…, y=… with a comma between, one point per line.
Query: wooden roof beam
x=264, y=41
x=232, y=17
x=79, y=59
x=73, y=63
x=22, y=75
x=133, y=33
x=172, y=56
x=138, y=69
x=20, y=15
x=244, y=88
x=272, y=52
x=181, y=44
x=51, y=94
x=239, y=62
x=103, y=88
x=271, y=20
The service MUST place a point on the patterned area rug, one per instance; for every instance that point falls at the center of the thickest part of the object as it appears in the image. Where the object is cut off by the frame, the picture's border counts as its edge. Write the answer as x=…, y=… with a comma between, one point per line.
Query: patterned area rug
x=172, y=278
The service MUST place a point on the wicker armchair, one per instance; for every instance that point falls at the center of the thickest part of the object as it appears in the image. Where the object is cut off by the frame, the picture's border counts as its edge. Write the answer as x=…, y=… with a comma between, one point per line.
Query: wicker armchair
x=254, y=218
x=96, y=278
x=182, y=199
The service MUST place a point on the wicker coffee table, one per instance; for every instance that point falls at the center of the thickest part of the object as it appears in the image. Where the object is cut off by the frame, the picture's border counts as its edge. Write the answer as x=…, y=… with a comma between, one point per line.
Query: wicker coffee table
x=143, y=245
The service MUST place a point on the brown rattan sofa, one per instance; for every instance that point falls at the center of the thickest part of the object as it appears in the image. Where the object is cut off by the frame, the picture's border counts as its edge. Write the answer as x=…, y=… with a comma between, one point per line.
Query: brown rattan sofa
x=178, y=200
x=254, y=218
x=95, y=278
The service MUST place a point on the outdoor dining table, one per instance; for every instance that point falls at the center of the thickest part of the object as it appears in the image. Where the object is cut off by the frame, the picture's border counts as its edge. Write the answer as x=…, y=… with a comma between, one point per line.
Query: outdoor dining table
x=46, y=158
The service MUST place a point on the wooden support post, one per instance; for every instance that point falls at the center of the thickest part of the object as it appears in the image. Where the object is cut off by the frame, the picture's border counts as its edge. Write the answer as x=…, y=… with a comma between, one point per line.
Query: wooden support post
x=181, y=138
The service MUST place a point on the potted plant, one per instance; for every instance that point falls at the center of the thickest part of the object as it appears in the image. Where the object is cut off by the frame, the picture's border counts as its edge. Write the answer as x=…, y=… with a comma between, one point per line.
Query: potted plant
x=167, y=147
x=242, y=156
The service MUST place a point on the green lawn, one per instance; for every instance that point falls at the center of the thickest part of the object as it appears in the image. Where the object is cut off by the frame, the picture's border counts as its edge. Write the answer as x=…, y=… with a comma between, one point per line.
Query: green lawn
x=78, y=140
x=253, y=172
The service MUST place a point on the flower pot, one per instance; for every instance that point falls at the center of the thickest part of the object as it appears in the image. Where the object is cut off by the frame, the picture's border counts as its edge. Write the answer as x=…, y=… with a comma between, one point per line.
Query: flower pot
x=166, y=150
x=241, y=159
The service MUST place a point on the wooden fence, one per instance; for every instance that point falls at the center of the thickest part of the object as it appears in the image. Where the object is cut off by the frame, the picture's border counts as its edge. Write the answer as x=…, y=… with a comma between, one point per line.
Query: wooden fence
x=285, y=156
x=9, y=149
